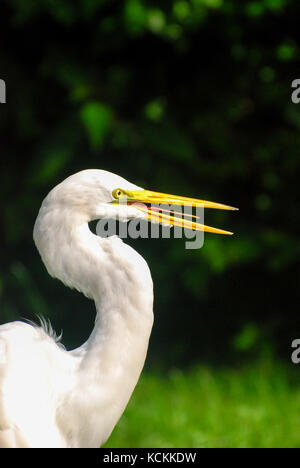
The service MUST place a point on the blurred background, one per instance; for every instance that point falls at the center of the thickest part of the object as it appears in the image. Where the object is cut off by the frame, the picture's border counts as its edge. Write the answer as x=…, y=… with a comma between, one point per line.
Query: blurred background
x=191, y=97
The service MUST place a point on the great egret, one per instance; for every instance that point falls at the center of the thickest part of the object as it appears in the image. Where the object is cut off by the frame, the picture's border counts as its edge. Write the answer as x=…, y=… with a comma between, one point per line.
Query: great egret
x=50, y=397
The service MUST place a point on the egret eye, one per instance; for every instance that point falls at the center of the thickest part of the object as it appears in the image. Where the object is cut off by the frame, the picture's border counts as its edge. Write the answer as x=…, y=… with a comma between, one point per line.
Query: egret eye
x=117, y=193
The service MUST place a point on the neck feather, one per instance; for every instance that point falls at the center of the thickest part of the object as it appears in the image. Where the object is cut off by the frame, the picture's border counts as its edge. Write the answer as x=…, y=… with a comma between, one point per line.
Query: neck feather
x=119, y=281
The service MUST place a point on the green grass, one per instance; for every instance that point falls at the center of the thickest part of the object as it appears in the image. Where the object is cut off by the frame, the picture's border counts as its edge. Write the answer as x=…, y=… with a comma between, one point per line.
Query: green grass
x=256, y=406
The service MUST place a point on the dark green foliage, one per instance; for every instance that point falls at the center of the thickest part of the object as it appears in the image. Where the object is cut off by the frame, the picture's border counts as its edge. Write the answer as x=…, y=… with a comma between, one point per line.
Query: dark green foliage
x=187, y=97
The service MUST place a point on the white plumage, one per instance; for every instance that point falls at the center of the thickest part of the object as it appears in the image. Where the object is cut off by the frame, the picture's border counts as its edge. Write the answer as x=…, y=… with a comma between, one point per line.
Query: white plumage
x=50, y=397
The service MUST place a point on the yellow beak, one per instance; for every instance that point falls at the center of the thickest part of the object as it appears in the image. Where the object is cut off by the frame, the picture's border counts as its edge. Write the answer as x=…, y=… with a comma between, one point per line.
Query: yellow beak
x=142, y=198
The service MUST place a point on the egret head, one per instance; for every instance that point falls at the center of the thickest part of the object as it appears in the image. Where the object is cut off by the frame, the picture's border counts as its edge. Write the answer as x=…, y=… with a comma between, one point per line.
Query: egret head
x=86, y=192
x=96, y=194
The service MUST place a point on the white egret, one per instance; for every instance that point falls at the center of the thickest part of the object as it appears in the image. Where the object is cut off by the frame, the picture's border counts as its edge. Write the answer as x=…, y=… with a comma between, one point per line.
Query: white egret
x=51, y=397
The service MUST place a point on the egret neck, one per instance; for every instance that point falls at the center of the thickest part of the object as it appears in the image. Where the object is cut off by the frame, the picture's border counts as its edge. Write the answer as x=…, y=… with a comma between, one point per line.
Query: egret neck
x=118, y=279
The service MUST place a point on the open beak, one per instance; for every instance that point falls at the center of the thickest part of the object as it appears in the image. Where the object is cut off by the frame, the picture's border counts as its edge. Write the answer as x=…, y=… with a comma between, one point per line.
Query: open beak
x=145, y=199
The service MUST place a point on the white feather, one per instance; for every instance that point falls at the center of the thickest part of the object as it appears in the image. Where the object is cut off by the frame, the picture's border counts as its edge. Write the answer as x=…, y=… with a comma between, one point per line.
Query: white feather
x=50, y=397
